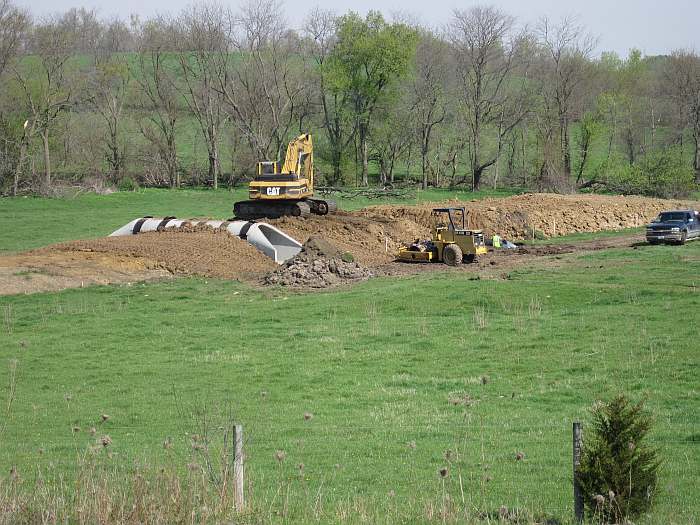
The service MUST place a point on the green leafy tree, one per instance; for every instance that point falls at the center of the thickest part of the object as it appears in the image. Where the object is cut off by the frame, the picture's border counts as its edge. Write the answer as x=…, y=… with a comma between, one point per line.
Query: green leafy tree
x=618, y=472
x=369, y=54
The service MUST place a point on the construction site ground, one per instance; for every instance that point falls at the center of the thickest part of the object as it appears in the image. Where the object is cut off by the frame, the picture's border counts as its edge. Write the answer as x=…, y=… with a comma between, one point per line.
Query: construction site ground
x=371, y=235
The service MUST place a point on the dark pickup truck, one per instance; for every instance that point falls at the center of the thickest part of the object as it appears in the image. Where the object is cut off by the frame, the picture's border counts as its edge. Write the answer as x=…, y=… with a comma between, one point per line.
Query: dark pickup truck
x=676, y=227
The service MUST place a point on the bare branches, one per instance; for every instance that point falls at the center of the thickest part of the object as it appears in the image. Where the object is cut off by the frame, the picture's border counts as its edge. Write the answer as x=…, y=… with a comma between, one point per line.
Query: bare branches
x=486, y=47
x=264, y=80
x=155, y=77
x=13, y=24
x=202, y=41
x=682, y=86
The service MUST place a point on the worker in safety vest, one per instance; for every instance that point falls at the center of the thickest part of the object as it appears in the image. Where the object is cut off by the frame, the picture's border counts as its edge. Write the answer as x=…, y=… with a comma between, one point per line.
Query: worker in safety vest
x=496, y=240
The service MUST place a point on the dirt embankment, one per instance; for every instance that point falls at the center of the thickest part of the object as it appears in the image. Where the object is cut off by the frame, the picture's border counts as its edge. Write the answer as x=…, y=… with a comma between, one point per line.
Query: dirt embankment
x=147, y=256
x=546, y=214
x=372, y=235
x=204, y=252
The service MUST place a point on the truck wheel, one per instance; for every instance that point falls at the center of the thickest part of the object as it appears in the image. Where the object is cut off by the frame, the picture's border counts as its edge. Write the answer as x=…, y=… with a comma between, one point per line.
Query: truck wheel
x=470, y=258
x=452, y=255
x=684, y=237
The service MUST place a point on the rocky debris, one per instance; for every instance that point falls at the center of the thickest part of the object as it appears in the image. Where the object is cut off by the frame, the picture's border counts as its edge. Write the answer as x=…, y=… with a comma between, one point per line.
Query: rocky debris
x=318, y=265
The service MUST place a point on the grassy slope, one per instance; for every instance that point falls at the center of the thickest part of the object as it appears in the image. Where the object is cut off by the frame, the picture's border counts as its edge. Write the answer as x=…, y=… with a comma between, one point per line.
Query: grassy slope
x=39, y=221
x=377, y=365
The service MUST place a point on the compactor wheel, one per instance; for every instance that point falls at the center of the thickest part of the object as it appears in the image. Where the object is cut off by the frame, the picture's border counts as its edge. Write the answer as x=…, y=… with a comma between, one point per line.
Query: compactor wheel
x=452, y=255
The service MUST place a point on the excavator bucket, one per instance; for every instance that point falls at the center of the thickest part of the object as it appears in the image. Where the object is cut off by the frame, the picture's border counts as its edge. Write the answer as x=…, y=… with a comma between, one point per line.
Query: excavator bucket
x=271, y=241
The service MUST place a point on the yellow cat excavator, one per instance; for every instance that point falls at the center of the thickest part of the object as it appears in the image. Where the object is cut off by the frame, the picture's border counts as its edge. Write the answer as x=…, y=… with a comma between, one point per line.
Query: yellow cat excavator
x=286, y=189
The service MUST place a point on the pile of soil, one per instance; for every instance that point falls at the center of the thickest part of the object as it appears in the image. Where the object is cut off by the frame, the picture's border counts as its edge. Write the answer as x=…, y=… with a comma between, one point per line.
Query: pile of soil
x=199, y=250
x=544, y=214
x=318, y=265
x=374, y=234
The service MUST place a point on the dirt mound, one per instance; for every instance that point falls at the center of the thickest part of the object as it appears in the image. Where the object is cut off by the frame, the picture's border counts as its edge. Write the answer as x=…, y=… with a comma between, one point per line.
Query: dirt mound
x=541, y=214
x=318, y=265
x=371, y=240
x=374, y=234
x=189, y=251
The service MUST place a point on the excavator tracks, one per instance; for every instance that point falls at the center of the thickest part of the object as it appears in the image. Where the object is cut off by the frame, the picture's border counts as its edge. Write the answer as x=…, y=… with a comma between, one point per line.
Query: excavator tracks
x=255, y=209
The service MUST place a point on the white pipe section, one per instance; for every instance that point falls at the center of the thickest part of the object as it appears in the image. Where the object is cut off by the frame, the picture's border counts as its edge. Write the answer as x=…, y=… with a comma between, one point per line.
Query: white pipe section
x=271, y=241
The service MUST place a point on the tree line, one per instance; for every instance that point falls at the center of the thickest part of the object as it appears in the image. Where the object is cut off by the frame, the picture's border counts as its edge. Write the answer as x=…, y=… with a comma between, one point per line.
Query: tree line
x=198, y=97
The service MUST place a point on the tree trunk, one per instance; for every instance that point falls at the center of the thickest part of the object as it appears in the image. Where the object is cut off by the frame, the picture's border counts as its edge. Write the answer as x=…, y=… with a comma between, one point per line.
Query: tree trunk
x=363, y=153
x=116, y=160
x=47, y=158
x=213, y=158
x=566, y=155
x=476, y=169
x=336, y=166
x=18, y=168
x=424, y=166
x=696, y=158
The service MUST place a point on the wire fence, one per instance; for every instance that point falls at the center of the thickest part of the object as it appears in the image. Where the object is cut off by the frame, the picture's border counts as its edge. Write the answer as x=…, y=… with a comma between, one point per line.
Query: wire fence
x=480, y=465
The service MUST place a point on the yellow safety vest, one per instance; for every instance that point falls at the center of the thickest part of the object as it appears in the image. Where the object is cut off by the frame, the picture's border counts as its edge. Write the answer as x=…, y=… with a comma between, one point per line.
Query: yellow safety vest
x=496, y=241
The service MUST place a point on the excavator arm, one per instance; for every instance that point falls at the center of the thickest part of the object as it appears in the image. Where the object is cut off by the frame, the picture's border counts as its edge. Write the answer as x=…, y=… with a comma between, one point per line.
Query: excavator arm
x=300, y=159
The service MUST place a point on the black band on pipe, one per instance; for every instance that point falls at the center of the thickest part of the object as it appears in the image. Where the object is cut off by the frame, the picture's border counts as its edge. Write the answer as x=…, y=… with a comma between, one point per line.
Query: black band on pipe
x=244, y=230
x=137, y=226
x=164, y=223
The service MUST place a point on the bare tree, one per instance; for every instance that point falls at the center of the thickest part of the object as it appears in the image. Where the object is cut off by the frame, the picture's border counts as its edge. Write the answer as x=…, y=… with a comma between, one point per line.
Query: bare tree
x=682, y=86
x=320, y=28
x=428, y=93
x=108, y=88
x=86, y=28
x=390, y=141
x=116, y=37
x=46, y=83
x=567, y=47
x=487, y=52
x=160, y=98
x=262, y=78
x=13, y=24
x=202, y=40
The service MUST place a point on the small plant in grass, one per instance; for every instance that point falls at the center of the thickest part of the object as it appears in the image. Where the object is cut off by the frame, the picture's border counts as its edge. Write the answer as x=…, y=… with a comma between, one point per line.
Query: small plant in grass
x=618, y=473
x=127, y=184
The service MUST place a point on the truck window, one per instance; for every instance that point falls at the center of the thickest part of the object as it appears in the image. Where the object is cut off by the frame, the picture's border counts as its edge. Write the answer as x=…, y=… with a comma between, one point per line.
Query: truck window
x=672, y=217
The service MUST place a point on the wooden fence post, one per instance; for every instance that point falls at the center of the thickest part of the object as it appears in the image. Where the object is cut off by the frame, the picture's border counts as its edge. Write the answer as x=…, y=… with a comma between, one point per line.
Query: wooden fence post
x=578, y=496
x=238, y=484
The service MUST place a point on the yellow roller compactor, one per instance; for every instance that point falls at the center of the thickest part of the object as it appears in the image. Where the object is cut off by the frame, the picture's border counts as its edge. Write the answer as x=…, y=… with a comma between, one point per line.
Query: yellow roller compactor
x=280, y=190
x=450, y=243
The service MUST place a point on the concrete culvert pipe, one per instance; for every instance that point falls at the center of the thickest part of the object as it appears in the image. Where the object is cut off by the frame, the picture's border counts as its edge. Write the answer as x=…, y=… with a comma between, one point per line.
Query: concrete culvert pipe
x=271, y=241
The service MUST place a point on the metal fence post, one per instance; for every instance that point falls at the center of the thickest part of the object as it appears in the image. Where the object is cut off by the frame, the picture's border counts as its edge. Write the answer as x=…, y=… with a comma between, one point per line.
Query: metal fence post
x=238, y=484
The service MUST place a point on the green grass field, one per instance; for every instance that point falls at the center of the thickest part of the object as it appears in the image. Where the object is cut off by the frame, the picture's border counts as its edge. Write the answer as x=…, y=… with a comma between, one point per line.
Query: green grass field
x=402, y=376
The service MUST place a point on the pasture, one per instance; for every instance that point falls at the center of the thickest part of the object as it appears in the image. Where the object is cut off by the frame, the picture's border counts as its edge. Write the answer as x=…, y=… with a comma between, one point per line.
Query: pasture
x=352, y=399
